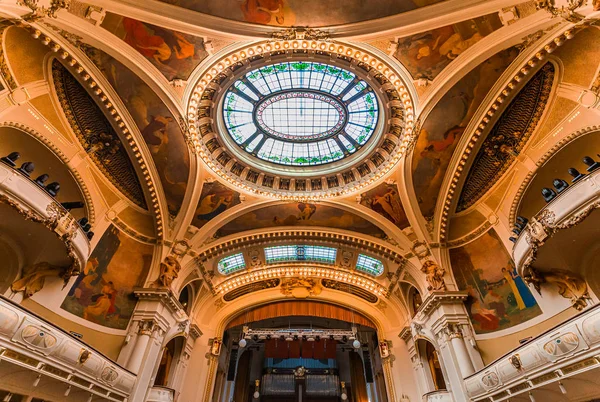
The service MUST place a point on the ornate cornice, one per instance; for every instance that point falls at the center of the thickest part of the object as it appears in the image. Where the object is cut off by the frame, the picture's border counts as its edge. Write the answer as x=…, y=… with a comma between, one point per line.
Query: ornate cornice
x=165, y=296
x=266, y=238
x=436, y=299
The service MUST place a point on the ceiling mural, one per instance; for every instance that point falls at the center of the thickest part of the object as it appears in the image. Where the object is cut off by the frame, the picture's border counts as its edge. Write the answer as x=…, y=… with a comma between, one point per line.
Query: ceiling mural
x=305, y=13
x=427, y=53
x=102, y=293
x=175, y=54
x=215, y=199
x=96, y=134
x=159, y=128
x=301, y=214
x=498, y=297
x=385, y=200
x=446, y=123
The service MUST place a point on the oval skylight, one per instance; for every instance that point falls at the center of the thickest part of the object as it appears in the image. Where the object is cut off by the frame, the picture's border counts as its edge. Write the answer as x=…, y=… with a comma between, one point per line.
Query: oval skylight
x=300, y=113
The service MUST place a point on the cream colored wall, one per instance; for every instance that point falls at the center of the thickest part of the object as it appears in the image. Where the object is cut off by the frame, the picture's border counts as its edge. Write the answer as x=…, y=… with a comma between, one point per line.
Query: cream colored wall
x=109, y=345
x=491, y=349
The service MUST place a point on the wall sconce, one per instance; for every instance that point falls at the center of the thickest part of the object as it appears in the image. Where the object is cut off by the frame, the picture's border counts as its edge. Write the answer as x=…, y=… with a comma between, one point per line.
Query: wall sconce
x=256, y=391
x=344, y=395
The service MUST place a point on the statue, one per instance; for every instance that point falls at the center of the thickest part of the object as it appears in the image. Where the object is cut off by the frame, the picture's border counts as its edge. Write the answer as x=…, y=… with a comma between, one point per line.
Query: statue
x=570, y=286
x=34, y=277
x=301, y=288
x=434, y=275
x=169, y=270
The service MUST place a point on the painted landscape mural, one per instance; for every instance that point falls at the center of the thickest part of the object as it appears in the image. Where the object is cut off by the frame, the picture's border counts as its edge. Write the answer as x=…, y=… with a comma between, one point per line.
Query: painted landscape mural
x=427, y=53
x=498, y=296
x=446, y=123
x=159, y=128
x=215, y=199
x=385, y=200
x=175, y=54
x=306, y=13
x=300, y=214
x=102, y=293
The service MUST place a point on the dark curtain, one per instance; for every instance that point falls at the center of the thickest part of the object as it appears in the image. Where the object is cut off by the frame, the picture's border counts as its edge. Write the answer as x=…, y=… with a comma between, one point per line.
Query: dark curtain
x=357, y=378
x=242, y=377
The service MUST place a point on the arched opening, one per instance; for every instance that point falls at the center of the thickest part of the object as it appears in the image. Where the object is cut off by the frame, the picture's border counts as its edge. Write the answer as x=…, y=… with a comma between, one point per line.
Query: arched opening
x=432, y=366
x=186, y=297
x=171, y=354
x=300, y=350
x=414, y=300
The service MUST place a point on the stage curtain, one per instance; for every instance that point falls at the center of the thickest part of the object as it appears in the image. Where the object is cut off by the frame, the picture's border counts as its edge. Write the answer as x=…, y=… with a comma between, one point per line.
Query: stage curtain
x=282, y=349
x=330, y=349
x=294, y=349
x=242, y=377
x=357, y=378
x=300, y=308
x=307, y=350
x=319, y=349
x=270, y=348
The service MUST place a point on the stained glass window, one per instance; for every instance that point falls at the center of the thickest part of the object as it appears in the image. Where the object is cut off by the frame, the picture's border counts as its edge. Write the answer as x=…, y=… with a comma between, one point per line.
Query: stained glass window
x=300, y=253
x=231, y=264
x=300, y=113
x=369, y=265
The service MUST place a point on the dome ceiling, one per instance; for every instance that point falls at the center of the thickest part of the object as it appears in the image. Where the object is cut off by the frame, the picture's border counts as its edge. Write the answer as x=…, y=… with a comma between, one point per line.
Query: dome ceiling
x=305, y=13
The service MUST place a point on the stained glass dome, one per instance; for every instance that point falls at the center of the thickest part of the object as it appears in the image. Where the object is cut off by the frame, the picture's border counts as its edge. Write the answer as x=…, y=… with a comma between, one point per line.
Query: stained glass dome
x=300, y=113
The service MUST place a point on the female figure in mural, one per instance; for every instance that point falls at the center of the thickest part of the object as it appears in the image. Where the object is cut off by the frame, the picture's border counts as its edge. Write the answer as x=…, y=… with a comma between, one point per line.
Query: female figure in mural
x=526, y=296
x=519, y=289
x=104, y=304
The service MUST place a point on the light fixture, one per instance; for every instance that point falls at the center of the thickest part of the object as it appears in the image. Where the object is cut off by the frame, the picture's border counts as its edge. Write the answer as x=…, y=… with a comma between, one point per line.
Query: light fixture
x=90, y=398
x=562, y=387
x=356, y=344
x=256, y=394
x=531, y=397
x=36, y=382
x=242, y=343
x=8, y=397
x=67, y=391
x=344, y=396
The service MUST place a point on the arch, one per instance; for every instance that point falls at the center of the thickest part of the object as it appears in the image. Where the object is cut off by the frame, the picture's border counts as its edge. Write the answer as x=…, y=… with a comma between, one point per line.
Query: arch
x=172, y=353
x=299, y=308
x=432, y=363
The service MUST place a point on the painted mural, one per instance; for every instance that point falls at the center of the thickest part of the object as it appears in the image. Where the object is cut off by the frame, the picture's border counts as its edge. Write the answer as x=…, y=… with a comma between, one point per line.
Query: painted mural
x=498, y=296
x=215, y=199
x=385, y=200
x=159, y=128
x=175, y=54
x=300, y=214
x=102, y=293
x=427, y=53
x=446, y=123
x=305, y=13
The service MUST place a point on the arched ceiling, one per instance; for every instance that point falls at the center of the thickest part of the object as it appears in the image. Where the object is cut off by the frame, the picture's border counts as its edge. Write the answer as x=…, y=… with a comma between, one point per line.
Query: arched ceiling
x=159, y=81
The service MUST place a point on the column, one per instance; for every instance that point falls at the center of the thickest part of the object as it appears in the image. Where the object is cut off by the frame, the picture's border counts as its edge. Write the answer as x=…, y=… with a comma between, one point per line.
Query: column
x=460, y=350
x=137, y=354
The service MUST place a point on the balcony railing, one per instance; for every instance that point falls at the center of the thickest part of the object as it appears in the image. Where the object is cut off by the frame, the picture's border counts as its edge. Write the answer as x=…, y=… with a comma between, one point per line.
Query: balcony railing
x=438, y=396
x=33, y=343
x=161, y=394
x=561, y=352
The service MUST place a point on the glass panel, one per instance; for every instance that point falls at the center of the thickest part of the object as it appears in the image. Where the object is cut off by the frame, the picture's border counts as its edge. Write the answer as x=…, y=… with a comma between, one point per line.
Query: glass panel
x=300, y=253
x=231, y=264
x=299, y=110
x=369, y=265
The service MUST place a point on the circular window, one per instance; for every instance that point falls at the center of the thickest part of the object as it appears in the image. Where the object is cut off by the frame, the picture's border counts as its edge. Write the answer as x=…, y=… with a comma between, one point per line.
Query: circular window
x=300, y=113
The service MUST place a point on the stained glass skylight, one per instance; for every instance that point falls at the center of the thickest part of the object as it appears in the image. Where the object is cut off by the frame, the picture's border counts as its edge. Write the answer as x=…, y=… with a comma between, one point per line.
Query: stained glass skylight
x=369, y=265
x=300, y=113
x=231, y=264
x=300, y=253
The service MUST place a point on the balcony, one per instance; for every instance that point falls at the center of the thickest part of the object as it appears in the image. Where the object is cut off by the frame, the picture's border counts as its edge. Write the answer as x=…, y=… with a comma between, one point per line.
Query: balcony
x=563, y=360
x=38, y=227
x=438, y=396
x=41, y=360
x=161, y=394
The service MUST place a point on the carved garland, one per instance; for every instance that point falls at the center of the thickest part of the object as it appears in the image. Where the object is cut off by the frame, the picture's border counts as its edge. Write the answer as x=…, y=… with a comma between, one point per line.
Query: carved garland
x=57, y=213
